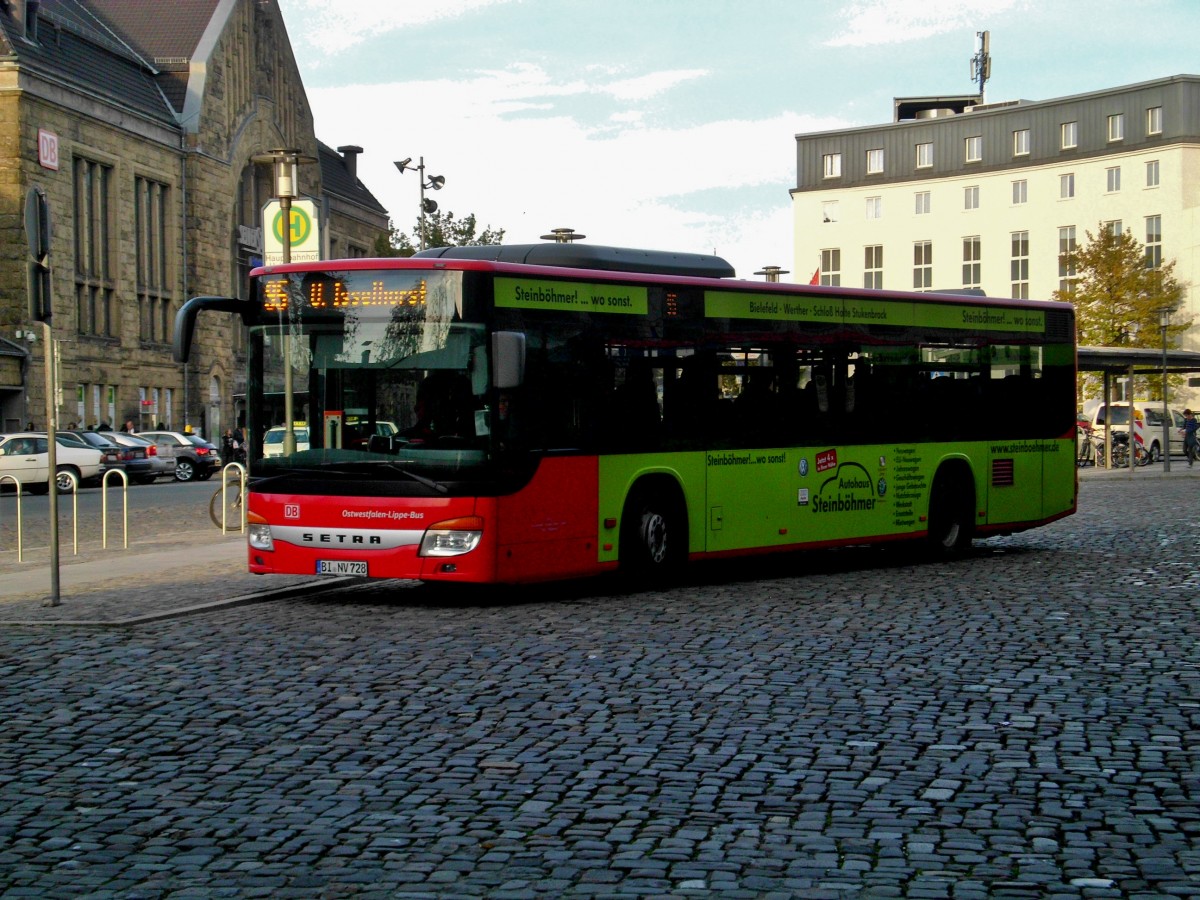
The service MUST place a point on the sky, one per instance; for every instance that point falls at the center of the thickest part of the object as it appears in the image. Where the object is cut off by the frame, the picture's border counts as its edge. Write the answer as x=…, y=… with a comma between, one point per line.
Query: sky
x=671, y=124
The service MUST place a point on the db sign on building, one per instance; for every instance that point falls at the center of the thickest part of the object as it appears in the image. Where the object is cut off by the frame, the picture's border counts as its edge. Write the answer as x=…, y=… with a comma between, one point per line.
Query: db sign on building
x=47, y=149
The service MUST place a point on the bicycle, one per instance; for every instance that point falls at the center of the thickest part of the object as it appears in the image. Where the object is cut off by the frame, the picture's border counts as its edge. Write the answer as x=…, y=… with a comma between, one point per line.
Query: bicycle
x=227, y=499
x=1120, y=452
x=1087, y=454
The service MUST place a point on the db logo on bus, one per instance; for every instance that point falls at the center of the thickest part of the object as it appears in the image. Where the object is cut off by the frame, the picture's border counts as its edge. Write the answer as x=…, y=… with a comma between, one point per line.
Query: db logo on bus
x=291, y=510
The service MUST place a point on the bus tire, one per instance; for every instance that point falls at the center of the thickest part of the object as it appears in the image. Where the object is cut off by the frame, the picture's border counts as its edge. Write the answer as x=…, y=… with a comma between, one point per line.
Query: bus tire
x=951, y=511
x=653, y=531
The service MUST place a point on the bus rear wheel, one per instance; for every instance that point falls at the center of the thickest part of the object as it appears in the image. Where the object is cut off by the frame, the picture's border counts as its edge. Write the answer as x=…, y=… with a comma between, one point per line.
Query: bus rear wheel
x=951, y=512
x=653, y=533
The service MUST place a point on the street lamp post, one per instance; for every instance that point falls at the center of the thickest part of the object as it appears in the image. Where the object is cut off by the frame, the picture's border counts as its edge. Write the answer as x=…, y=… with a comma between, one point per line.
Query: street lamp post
x=285, y=167
x=1164, y=320
x=434, y=183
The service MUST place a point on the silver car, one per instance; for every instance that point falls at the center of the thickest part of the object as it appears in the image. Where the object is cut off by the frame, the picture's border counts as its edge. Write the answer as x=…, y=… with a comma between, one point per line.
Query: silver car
x=144, y=460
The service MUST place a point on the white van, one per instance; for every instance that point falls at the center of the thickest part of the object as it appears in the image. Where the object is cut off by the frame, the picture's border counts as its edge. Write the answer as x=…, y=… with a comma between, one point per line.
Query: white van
x=1149, y=414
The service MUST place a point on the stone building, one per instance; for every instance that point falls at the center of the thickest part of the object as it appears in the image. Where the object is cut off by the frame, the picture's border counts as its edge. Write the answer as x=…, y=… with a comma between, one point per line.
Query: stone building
x=139, y=121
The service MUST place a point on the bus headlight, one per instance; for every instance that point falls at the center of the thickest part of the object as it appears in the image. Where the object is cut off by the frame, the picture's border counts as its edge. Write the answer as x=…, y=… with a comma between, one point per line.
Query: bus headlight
x=452, y=537
x=259, y=537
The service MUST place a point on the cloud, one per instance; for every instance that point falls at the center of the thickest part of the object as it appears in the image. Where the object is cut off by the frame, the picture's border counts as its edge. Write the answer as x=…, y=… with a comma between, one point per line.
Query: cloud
x=898, y=21
x=647, y=86
x=515, y=159
x=340, y=25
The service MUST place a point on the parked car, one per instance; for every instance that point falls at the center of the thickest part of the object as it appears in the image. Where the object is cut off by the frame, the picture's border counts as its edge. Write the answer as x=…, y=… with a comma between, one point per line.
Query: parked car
x=195, y=458
x=1150, y=414
x=143, y=461
x=273, y=440
x=26, y=455
x=110, y=453
x=357, y=435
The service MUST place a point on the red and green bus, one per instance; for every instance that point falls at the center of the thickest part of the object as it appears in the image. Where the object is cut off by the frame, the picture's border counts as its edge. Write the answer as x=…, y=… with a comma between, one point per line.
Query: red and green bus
x=517, y=413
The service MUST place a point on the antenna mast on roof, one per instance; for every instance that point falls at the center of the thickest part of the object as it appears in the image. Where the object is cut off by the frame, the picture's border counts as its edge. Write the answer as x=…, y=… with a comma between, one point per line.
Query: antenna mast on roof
x=981, y=63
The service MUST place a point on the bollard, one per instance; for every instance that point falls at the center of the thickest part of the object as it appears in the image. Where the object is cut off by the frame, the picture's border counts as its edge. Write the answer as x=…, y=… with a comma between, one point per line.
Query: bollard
x=124, y=506
x=74, y=482
x=240, y=474
x=16, y=481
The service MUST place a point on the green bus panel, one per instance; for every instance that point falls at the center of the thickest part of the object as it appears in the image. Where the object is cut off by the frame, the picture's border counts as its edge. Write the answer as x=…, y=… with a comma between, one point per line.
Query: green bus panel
x=743, y=499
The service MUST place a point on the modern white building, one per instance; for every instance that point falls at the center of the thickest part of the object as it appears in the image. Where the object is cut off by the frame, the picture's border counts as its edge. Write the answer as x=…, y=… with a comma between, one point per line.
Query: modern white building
x=953, y=193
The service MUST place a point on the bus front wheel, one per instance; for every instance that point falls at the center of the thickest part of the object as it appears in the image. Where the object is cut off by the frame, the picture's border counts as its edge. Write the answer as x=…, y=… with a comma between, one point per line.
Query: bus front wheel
x=653, y=532
x=951, y=511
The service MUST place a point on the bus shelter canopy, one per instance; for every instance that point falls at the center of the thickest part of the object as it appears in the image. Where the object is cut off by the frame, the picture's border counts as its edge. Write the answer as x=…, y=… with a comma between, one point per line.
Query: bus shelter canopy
x=1143, y=360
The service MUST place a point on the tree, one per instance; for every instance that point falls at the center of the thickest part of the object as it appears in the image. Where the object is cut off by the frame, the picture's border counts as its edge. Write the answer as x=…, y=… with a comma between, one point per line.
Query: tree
x=1118, y=293
x=441, y=230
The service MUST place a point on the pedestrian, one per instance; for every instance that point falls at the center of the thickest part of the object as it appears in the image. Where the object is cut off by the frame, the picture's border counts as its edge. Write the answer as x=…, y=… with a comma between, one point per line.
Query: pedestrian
x=29, y=426
x=128, y=427
x=1189, y=436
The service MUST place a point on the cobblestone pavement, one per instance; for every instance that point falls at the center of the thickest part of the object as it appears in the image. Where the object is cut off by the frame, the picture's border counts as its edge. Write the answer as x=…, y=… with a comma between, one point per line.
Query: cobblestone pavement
x=1021, y=723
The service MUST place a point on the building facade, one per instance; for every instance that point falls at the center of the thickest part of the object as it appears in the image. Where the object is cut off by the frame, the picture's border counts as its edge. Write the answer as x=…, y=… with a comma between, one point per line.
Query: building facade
x=140, y=121
x=953, y=193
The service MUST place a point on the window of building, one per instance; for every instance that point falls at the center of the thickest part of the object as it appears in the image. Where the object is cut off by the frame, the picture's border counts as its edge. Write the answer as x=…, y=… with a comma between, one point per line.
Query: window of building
x=971, y=197
x=874, y=162
x=923, y=265
x=1114, y=226
x=1021, y=142
x=1116, y=127
x=922, y=205
x=831, y=267
x=95, y=280
x=832, y=163
x=151, y=217
x=1113, y=178
x=1152, y=173
x=1066, y=186
x=1154, y=120
x=1069, y=135
x=925, y=155
x=973, y=148
x=1066, y=257
x=873, y=267
x=874, y=207
x=829, y=211
x=1020, y=192
x=972, y=254
x=1153, y=242
x=1019, y=265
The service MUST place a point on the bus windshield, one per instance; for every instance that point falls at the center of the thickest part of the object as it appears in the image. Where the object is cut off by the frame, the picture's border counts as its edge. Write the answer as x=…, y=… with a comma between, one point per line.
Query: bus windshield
x=385, y=375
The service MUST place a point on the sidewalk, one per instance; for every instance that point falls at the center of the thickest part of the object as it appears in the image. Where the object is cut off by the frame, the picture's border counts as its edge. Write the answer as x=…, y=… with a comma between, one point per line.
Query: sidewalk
x=173, y=575
x=1179, y=469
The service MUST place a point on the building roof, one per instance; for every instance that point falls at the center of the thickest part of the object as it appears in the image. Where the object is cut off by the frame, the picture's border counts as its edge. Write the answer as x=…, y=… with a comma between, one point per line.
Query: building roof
x=339, y=178
x=167, y=34
x=163, y=31
x=76, y=46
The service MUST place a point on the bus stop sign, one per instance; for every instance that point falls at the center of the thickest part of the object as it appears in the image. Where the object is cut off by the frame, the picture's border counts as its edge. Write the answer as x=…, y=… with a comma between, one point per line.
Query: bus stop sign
x=303, y=232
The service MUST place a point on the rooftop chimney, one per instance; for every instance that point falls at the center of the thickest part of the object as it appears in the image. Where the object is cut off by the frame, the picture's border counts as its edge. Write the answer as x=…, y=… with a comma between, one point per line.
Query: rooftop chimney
x=350, y=156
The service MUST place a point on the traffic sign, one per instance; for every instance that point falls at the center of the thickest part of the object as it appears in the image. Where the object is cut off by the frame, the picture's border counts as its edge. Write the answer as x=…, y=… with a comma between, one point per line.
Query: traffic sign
x=303, y=231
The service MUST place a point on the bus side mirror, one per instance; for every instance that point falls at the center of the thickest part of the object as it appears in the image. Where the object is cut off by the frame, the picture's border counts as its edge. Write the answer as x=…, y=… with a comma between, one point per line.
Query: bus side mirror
x=508, y=359
x=185, y=320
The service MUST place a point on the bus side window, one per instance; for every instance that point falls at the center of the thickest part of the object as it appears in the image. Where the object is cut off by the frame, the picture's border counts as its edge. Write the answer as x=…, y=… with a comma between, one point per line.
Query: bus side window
x=636, y=415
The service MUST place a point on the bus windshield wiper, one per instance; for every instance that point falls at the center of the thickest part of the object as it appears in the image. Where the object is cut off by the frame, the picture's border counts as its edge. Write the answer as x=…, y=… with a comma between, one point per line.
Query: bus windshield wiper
x=266, y=479
x=419, y=479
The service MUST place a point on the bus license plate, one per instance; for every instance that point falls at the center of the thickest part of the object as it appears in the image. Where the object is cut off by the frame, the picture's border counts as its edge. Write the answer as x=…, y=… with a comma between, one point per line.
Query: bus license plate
x=340, y=567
